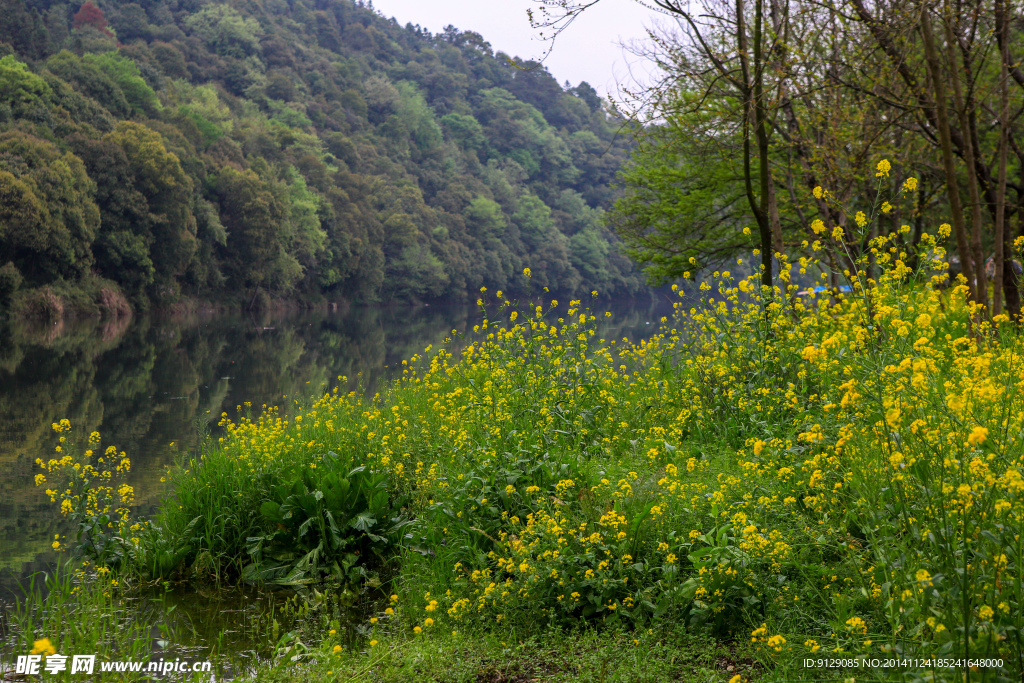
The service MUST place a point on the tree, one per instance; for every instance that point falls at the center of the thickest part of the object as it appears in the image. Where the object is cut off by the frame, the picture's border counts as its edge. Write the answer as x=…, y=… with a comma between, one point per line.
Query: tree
x=225, y=31
x=817, y=95
x=720, y=51
x=485, y=219
x=684, y=202
x=395, y=160
x=125, y=74
x=90, y=32
x=48, y=219
x=254, y=216
x=18, y=85
x=90, y=80
x=122, y=243
x=304, y=236
x=157, y=175
x=90, y=15
x=464, y=129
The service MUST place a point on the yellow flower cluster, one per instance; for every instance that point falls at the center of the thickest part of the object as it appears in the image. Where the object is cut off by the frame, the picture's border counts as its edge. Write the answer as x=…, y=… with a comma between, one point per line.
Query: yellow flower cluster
x=758, y=436
x=84, y=485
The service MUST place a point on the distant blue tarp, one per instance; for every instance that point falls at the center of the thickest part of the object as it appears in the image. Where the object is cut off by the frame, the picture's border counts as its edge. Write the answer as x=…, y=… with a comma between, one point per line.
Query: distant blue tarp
x=818, y=289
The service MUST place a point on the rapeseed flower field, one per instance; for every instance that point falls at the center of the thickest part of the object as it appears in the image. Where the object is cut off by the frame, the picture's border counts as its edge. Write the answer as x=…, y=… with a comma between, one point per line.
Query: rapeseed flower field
x=822, y=475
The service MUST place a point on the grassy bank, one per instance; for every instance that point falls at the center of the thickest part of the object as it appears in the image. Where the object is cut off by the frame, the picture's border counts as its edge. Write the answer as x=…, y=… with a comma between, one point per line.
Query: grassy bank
x=796, y=478
x=504, y=656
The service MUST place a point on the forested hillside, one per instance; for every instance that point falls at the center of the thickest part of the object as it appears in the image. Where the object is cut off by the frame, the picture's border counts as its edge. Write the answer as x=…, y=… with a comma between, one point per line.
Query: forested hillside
x=308, y=150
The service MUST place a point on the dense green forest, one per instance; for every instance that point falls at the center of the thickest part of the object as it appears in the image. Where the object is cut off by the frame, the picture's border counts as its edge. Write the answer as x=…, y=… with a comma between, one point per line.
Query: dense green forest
x=308, y=150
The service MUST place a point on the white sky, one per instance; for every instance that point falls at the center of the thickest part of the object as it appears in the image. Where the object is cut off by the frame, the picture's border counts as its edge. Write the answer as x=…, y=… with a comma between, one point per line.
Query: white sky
x=589, y=50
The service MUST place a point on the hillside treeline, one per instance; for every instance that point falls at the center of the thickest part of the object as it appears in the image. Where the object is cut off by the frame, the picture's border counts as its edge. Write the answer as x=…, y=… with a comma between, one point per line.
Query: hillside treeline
x=310, y=150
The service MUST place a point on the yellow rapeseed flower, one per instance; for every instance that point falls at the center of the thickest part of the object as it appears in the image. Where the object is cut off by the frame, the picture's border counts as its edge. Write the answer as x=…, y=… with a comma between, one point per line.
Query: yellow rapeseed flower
x=977, y=436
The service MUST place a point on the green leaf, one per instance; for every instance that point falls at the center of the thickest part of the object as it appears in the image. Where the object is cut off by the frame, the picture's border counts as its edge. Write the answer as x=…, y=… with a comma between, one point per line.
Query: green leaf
x=363, y=522
x=271, y=511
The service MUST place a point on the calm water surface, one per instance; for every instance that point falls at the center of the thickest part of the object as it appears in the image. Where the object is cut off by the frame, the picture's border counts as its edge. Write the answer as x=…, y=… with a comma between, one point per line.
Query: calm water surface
x=150, y=382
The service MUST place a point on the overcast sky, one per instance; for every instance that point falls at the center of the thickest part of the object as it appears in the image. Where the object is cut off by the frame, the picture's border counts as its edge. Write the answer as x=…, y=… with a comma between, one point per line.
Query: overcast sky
x=589, y=50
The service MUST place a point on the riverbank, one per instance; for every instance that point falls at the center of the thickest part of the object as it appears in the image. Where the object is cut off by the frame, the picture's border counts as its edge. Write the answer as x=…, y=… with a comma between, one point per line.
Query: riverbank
x=97, y=297
x=839, y=479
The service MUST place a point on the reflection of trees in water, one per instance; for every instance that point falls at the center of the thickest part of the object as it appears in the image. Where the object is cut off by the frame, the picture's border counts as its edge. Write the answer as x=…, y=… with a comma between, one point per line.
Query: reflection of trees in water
x=151, y=381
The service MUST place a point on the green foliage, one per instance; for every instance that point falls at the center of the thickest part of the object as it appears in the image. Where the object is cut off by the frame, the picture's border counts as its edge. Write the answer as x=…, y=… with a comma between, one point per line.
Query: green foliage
x=48, y=219
x=305, y=235
x=224, y=30
x=666, y=180
x=417, y=273
x=418, y=118
x=125, y=74
x=18, y=85
x=534, y=220
x=323, y=524
x=371, y=162
x=158, y=176
x=465, y=130
x=255, y=219
x=90, y=80
x=727, y=580
x=10, y=281
x=485, y=219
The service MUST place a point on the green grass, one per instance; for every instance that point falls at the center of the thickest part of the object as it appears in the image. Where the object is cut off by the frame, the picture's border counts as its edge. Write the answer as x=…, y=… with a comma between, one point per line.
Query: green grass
x=557, y=656
x=75, y=616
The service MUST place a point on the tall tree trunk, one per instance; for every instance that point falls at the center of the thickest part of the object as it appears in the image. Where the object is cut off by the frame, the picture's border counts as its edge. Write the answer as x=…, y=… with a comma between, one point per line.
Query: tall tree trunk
x=1004, y=124
x=778, y=11
x=774, y=220
x=1011, y=281
x=961, y=104
x=761, y=131
x=945, y=143
x=753, y=106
